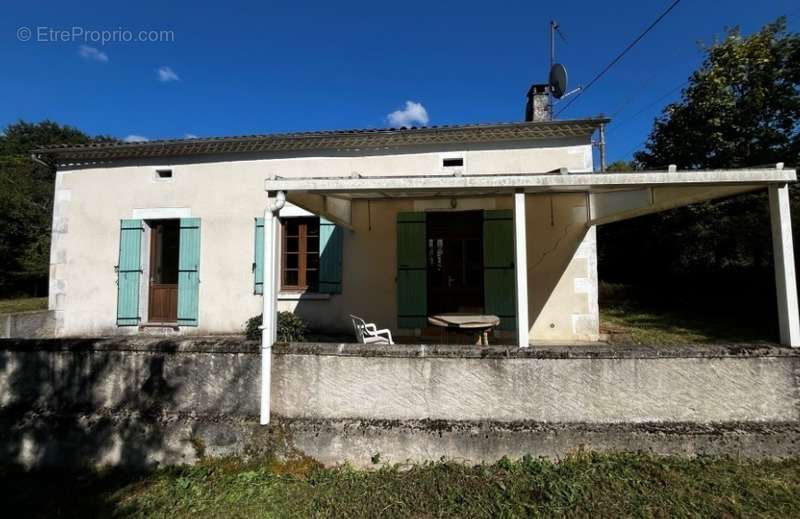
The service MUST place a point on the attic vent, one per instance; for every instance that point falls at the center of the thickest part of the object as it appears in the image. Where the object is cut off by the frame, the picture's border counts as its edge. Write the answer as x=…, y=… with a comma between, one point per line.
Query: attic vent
x=453, y=162
x=163, y=173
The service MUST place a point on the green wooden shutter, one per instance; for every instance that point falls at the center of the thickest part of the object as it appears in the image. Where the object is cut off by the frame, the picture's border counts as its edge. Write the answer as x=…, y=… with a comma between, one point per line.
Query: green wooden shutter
x=412, y=278
x=499, y=285
x=129, y=272
x=189, y=271
x=258, y=258
x=330, y=257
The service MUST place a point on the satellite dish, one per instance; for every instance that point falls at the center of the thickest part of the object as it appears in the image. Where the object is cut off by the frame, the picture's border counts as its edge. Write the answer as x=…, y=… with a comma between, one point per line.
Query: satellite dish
x=558, y=80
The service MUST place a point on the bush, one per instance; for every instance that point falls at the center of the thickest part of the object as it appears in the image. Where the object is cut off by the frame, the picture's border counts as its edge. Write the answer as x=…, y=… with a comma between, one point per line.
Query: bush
x=290, y=328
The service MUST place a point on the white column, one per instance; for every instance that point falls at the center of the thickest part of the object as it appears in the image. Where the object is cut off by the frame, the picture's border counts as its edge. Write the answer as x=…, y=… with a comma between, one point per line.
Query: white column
x=783, y=251
x=521, y=269
x=270, y=291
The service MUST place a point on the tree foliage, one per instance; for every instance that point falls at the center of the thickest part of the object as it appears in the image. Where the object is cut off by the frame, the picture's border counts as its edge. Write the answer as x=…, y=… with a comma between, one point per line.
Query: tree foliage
x=741, y=108
x=26, y=204
x=621, y=166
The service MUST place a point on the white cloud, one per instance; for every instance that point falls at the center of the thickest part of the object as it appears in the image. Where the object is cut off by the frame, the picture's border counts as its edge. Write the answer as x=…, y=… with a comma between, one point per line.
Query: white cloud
x=166, y=74
x=413, y=113
x=135, y=138
x=92, y=54
x=189, y=136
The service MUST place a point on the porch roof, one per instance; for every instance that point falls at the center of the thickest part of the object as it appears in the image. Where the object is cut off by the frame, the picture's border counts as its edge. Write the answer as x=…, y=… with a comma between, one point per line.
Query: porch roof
x=411, y=186
x=612, y=196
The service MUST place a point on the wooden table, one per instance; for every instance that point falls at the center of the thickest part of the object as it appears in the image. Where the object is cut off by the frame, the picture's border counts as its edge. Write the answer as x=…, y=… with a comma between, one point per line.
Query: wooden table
x=478, y=324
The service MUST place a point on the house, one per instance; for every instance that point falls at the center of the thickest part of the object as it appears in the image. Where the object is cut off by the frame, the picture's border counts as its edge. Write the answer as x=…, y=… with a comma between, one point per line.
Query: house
x=394, y=225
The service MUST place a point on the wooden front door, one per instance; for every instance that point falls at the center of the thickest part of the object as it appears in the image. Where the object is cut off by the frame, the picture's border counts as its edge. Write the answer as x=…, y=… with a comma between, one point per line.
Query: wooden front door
x=455, y=261
x=164, y=253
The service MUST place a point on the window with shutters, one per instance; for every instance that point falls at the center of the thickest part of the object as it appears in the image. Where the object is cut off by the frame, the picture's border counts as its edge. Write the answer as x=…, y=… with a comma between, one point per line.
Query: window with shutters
x=300, y=254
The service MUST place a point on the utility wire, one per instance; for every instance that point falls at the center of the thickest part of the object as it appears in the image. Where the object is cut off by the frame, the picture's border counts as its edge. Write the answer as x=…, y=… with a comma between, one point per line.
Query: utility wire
x=621, y=54
x=644, y=108
x=634, y=116
x=636, y=93
x=628, y=153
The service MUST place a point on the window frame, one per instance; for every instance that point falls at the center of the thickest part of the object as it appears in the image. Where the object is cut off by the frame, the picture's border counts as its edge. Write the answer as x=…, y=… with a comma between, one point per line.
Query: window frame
x=302, y=253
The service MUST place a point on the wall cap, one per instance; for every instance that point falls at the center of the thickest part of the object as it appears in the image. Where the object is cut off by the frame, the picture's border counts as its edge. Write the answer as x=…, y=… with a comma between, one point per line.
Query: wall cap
x=239, y=345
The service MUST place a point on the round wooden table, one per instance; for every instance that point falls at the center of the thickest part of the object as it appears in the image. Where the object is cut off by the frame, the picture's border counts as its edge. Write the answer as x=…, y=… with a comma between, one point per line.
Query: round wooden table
x=479, y=324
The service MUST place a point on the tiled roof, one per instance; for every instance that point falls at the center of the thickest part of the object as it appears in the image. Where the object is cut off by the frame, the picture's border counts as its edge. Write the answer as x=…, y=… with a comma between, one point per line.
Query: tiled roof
x=321, y=140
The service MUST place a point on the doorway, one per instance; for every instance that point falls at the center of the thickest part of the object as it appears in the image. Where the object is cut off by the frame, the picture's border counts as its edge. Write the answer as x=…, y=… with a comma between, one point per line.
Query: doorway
x=164, y=254
x=455, y=261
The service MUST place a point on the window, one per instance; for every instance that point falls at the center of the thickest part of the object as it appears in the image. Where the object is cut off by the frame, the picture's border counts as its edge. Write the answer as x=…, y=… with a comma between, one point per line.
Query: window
x=163, y=174
x=300, y=261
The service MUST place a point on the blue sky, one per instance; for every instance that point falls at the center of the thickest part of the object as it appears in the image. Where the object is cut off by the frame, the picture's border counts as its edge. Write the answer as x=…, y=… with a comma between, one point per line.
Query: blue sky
x=240, y=67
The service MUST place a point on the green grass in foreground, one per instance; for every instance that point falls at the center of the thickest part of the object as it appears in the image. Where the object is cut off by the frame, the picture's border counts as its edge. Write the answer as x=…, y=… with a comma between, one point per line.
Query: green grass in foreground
x=25, y=304
x=582, y=485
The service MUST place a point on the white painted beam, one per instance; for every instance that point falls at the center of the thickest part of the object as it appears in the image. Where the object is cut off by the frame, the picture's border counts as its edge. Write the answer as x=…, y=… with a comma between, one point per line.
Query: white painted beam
x=530, y=181
x=521, y=269
x=783, y=250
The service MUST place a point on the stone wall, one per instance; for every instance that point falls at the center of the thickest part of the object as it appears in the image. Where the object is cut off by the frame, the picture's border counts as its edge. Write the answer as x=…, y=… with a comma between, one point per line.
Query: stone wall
x=37, y=324
x=149, y=401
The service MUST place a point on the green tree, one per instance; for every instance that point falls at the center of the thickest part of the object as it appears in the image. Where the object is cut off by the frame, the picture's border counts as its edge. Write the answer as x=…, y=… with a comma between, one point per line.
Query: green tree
x=741, y=108
x=26, y=204
x=621, y=166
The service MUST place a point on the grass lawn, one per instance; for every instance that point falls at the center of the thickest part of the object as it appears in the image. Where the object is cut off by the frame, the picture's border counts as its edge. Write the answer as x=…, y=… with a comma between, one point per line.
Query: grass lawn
x=583, y=485
x=632, y=324
x=25, y=304
x=628, y=317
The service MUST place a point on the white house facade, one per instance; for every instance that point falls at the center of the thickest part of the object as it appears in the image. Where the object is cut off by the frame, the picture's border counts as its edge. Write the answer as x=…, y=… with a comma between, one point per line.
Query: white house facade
x=391, y=225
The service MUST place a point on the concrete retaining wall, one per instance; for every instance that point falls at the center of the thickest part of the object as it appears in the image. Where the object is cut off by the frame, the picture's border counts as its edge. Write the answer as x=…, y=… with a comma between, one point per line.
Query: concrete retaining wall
x=148, y=401
x=22, y=325
x=634, y=387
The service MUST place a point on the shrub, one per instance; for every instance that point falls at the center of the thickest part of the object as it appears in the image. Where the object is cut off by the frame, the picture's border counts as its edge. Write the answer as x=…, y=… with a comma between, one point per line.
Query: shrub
x=290, y=328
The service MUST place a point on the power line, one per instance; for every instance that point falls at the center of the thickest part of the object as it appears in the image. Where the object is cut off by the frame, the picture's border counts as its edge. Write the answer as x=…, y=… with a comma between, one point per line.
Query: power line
x=644, y=108
x=641, y=88
x=629, y=152
x=634, y=116
x=621, y=54
x=636, y=93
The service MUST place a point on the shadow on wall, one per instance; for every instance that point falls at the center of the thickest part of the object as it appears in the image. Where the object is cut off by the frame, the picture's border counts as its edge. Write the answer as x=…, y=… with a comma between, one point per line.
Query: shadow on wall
x=55, y=409
x=86, y=407
x=559, y=239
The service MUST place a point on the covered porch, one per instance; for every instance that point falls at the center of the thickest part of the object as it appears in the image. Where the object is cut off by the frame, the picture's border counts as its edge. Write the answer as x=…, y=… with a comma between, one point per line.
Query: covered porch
x=599, y=198
x=590, y=199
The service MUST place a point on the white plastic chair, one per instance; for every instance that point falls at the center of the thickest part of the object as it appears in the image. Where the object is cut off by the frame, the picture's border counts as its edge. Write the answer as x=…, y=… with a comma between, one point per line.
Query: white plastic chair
x=367, y=333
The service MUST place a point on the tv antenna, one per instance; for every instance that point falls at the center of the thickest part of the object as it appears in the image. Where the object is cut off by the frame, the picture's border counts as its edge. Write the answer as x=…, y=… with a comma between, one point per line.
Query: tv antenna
x=557, y=76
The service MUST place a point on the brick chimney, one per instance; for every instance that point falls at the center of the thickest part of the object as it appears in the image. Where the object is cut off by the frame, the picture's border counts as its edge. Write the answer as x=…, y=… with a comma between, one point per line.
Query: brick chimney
x=538, y=107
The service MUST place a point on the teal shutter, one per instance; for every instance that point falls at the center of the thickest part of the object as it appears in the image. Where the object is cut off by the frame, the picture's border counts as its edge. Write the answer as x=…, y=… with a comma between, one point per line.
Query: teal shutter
x=499, y=286
x=330, y=257
x=412, y=278
x=129, y=272
x=189, y=271
x=258, y=258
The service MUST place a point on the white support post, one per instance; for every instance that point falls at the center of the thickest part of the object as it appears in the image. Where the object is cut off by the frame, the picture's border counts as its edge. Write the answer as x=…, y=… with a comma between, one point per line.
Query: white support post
x=269, y=332
x=521, y=269
x=783, y=252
